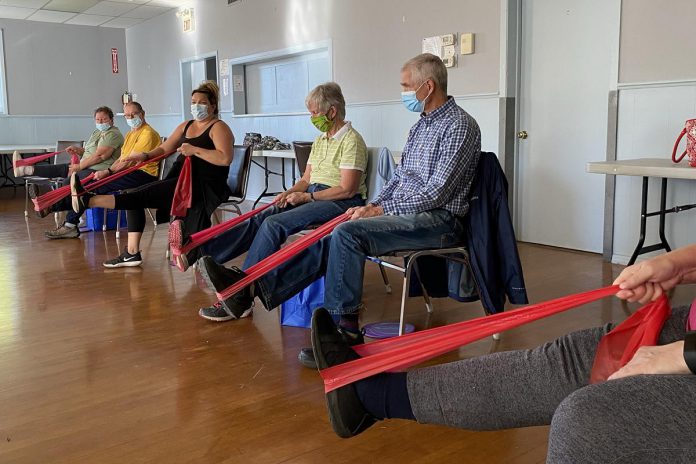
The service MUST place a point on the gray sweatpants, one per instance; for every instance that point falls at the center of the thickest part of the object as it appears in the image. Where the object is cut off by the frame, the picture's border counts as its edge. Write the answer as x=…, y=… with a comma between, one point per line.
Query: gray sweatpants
x=641, y=419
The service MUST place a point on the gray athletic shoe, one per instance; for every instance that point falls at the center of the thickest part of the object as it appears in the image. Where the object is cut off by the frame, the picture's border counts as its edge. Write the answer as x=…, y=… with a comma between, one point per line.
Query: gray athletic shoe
x=63, y=231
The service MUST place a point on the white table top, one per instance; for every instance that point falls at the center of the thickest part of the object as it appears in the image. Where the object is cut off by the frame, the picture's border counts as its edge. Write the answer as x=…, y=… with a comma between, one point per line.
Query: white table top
x=287, y=154
x=38, y=148
x=644, y=167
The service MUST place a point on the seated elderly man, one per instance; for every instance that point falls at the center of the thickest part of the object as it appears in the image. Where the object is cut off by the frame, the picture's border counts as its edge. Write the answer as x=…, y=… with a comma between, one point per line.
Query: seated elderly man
x=100, y=152
x=333, y=182
x=421, y=207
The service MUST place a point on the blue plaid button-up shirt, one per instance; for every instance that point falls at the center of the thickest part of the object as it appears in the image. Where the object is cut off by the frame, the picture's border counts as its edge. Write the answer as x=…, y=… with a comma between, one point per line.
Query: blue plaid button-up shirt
x=437, y=165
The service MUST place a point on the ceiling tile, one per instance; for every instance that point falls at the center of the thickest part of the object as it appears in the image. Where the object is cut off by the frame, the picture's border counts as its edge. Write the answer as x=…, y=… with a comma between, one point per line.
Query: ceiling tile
x=171, y=3
x=122, y=22
x=51, y=16
x=110, y=8
x=24, y=3
x=75, y=6
x=12, y=12
x=89, y=20
x=145, y=12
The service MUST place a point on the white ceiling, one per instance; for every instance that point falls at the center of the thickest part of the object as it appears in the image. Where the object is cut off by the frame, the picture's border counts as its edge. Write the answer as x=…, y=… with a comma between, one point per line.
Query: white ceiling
x=112, y=13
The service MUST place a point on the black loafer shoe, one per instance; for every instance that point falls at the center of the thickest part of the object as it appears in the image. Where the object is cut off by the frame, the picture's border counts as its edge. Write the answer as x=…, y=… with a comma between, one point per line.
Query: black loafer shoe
x=80, y=198
x=346, y=412
x=306, y=355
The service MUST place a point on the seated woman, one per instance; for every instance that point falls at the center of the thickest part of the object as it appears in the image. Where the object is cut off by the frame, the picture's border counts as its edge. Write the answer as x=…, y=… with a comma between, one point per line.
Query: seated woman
x=643, y=413
x=333, y=182
x=208, y=141
x=99, y=153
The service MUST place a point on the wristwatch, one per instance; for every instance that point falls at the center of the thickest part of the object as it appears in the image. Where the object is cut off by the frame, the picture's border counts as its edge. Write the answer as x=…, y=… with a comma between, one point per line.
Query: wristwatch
x=690, y=350
x=311, y=196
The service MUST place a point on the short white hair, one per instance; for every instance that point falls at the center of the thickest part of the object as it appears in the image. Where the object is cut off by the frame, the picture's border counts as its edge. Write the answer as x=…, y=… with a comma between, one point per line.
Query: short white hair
x=427, y=66
x=326, y=95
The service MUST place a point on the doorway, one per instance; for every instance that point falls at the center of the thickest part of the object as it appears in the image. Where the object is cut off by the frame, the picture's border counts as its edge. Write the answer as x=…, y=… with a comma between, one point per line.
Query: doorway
x=194, y=71
x=568, y=64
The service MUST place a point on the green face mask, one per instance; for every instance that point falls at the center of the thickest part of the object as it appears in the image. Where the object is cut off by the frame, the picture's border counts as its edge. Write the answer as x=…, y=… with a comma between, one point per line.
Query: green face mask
x=322, y=122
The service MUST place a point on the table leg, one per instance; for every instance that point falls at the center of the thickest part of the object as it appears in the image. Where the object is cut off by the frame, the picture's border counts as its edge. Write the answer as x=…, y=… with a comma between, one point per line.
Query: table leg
x=663, y=212
x=643, y=220
x=266, y=176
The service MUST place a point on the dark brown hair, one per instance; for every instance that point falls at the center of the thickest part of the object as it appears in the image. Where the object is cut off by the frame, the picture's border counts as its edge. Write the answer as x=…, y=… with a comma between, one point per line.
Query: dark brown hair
x=104, y=109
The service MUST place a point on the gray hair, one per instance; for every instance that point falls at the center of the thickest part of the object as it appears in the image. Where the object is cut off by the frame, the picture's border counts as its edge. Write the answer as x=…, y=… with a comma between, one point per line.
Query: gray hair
x=427, y=66
x=326, y=95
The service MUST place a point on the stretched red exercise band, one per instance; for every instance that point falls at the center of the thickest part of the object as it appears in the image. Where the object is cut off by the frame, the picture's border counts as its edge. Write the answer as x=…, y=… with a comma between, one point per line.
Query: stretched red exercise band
x=54, y=196
x=266, y=265
x=409, y=350
x=35, y=159
x=183, y=192
x=199, y=238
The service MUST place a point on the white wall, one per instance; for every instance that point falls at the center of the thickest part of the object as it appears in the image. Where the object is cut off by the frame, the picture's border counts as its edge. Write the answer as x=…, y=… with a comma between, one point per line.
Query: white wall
x=657, y=93
x=369, y=43
x=56, y=76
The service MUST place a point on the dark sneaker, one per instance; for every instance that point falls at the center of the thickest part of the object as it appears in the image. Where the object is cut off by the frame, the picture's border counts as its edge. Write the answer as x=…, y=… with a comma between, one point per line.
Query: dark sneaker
x=80, y=198
x=125, y=260
x=219, y=313
x=176, y=235
x=34, y=192
x=63, y=231
x=20, y=171
x=218, y=278
x=306, y=355
x=346, y=412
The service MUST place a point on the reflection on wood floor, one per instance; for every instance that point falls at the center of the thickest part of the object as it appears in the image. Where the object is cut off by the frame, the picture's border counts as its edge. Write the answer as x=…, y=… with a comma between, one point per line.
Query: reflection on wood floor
x=115, y=366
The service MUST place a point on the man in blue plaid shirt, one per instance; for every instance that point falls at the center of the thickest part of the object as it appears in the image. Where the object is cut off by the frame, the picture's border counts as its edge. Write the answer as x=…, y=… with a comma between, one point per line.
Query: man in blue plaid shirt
x=420, y=207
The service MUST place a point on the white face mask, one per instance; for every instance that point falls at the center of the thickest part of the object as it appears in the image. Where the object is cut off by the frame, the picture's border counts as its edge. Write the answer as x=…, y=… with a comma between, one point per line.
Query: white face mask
x=134, y=122
x=199, y=112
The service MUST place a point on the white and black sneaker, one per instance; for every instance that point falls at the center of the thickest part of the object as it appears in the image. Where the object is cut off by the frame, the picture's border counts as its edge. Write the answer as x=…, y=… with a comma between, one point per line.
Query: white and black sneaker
x=125, y=260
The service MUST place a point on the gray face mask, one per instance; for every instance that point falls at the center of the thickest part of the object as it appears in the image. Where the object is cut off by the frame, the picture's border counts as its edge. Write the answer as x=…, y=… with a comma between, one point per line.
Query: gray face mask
x=199, y=112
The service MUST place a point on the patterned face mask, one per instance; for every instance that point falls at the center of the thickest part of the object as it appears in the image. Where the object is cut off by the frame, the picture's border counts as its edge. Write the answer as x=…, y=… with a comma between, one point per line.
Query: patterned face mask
x=322, y=122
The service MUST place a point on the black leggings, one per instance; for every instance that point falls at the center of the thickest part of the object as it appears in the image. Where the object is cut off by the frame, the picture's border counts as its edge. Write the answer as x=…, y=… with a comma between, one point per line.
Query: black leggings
x=159, y=195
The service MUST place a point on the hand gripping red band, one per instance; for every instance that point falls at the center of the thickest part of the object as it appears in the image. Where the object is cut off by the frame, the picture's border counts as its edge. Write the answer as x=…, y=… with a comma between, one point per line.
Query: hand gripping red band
x=409, y=350
x=36, y=159
x=54, y=196
x=264, y=266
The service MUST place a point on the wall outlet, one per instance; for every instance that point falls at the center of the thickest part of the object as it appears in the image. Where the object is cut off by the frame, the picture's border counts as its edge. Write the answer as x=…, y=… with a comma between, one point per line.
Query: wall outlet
x=467, y=43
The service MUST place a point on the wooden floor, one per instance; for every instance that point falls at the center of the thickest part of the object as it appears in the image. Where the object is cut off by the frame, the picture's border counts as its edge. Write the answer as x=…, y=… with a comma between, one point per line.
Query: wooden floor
x=115, y=366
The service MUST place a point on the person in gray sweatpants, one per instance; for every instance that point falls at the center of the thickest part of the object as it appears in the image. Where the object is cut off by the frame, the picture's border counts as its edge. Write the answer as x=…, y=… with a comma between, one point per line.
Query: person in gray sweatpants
x=644, y=413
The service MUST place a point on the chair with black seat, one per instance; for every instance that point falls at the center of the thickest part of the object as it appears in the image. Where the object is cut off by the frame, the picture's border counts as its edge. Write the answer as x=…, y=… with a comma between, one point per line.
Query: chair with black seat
x=302, y=151
x=459, y=254
x=53, y=183
x=237, y=181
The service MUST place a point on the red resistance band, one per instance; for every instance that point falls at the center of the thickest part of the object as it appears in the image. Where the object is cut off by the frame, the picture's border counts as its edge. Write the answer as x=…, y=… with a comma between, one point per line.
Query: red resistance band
x=409, y=350
x=266, y=265
x=36, y=159
x=183, y=193
x=199, y=238
x=54, y=196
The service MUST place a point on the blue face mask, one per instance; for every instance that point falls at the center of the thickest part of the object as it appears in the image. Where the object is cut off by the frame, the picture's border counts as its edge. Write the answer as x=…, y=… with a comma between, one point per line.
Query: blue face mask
x=103, y=126
x=411, y=102
x=134, y=122
x=199, y=112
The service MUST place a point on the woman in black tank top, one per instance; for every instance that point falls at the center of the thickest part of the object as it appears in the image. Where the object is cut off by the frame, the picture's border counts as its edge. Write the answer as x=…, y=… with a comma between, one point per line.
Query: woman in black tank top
x=209, y=143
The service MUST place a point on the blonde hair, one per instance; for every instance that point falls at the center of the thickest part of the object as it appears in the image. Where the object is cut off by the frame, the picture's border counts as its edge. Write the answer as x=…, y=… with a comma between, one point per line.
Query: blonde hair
x=211, y=90
x=427, y=66
x=326, y=95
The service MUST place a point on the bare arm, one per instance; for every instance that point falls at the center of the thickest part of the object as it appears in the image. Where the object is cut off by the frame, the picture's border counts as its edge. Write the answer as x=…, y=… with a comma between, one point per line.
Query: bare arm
x=223, y=139
x=102, y=153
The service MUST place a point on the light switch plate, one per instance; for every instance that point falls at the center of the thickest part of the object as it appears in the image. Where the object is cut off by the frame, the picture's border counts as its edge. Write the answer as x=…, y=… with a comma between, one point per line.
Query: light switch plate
x=467, y=43
x=450, y=62
x=448, y=39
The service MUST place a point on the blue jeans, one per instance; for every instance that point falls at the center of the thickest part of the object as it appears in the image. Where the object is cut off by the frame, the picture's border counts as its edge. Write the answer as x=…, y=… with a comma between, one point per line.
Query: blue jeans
x=341, y=256
x=263, y=234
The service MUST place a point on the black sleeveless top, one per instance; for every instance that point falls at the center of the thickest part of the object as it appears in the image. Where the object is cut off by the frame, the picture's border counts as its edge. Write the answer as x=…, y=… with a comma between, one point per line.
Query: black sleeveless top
x=205, y=176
